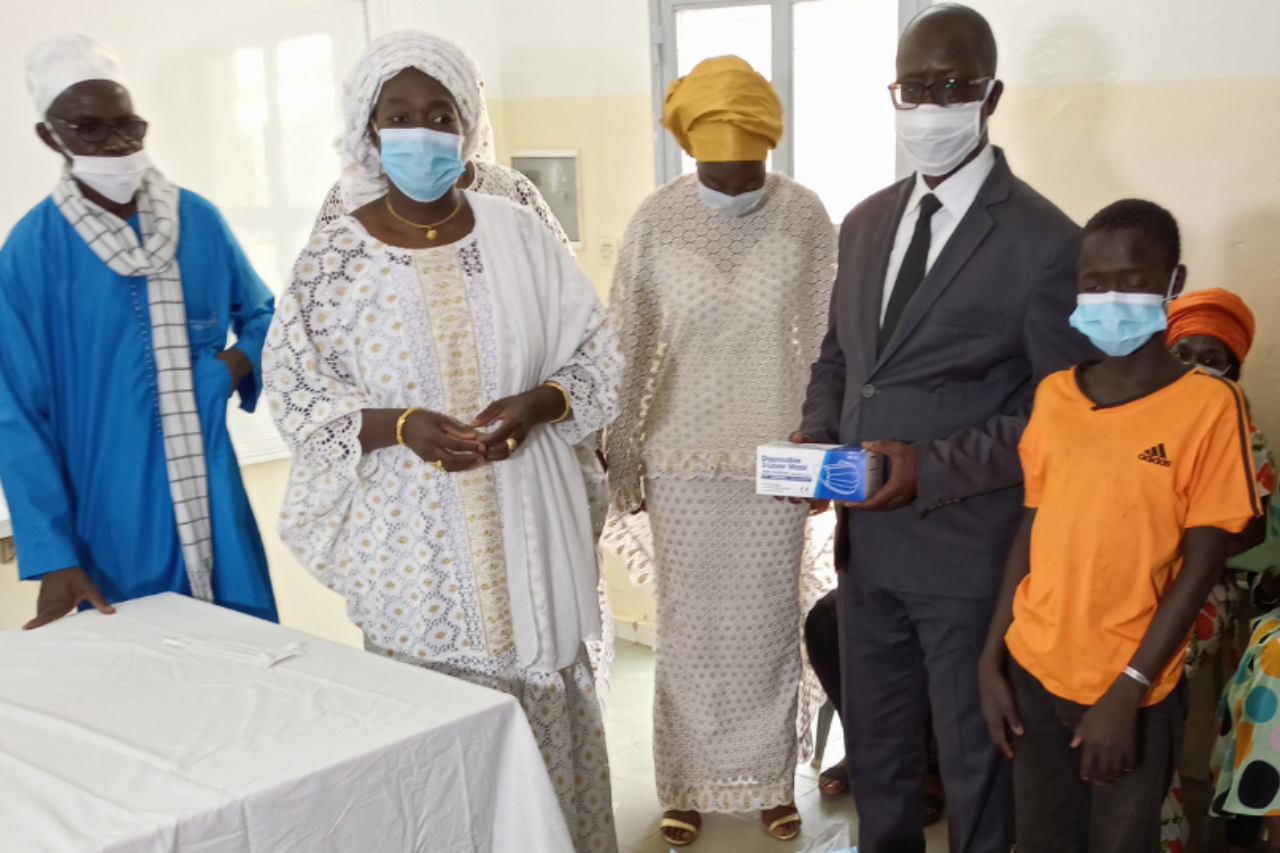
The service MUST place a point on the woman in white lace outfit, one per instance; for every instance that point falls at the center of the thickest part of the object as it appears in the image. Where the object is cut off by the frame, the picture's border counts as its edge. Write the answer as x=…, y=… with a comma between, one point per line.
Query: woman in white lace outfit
x=485, y=177
x=720, y=298
x=435, y=358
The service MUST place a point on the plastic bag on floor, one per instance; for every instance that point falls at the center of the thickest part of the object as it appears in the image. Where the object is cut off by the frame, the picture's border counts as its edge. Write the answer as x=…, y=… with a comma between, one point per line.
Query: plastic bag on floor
x=833, y=839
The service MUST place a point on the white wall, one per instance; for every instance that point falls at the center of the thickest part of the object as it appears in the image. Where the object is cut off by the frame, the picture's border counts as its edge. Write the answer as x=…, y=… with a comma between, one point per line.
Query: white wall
x=181, y=60
x=537, y=48
x=243, y=101
x=471, y=23
x=573, y=48
x=1059, y=42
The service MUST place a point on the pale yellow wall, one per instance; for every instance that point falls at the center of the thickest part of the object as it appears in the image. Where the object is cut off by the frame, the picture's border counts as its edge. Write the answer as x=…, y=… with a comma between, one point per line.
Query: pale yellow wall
x=1203, y=149
x=614, y=139
x=304, y=604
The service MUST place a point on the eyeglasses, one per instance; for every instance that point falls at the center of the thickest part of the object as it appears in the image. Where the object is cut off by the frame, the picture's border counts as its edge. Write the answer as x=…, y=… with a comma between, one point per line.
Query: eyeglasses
x=95, y=131
x=944, y=93
x=1206, y=360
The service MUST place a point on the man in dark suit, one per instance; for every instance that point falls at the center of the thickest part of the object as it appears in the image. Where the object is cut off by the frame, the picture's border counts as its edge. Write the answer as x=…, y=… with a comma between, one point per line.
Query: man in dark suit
x=951, y=303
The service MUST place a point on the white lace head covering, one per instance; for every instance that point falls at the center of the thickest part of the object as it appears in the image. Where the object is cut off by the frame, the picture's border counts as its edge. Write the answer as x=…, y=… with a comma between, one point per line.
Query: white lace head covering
x=362, y=176
x=59, y=62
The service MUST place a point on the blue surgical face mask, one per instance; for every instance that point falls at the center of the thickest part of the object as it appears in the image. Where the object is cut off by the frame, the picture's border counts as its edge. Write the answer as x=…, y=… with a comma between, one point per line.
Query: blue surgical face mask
x=1118, y=323
x=730, y=205
x=421, y=162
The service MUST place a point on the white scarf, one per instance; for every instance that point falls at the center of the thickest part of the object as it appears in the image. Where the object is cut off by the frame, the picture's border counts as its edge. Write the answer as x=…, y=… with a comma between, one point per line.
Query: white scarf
x=117, y=245
x=544, y=306
x=363, y=180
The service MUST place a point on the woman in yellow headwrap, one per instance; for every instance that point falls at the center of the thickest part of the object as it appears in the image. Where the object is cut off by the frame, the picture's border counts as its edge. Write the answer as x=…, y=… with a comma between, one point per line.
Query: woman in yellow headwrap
x=721, y=295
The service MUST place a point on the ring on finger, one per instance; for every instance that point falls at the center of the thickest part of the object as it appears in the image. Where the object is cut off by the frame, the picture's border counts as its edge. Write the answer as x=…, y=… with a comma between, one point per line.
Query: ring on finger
x=512, y=444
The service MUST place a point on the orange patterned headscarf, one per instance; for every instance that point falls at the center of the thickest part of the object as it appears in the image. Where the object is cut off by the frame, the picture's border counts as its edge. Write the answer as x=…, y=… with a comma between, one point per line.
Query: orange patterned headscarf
x=1214, y=312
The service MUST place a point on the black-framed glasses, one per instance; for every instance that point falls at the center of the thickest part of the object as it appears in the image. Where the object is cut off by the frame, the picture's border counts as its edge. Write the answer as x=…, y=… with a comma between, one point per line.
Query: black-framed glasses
x=944, y=93
x=95, y=131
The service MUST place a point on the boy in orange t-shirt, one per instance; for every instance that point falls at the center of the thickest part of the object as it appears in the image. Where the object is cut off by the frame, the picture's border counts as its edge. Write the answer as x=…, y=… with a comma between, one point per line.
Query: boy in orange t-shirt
x=1137, y=472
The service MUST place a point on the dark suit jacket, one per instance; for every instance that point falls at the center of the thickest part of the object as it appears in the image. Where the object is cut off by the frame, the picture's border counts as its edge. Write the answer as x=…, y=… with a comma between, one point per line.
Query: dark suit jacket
x=956, y=379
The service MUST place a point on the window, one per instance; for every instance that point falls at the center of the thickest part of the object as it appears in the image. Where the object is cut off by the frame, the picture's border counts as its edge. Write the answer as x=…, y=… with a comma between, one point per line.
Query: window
x=830, y=61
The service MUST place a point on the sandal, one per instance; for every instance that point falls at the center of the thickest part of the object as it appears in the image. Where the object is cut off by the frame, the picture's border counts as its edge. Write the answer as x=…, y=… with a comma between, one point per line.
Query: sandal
x=829, y=779
x=672, y=823
x=785, y=820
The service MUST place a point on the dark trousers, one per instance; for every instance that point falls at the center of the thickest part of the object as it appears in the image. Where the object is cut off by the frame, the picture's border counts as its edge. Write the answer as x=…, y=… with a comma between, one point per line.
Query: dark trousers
x=902, y=653
x=1058, y=812
x=822, y=642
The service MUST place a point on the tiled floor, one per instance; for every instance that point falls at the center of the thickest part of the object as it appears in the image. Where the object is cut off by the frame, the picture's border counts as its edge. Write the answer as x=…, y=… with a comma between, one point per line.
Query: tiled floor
x=629, y=726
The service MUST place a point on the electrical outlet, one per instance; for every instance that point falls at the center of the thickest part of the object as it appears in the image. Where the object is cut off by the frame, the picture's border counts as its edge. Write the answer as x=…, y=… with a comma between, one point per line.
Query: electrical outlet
x=609, y=250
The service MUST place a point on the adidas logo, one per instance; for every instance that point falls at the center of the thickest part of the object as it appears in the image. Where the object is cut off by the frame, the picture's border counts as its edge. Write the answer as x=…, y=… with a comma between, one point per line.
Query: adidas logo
x=1155, y=455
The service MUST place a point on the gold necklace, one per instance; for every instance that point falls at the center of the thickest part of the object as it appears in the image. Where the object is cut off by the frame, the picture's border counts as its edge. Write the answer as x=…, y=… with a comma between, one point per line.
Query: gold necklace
x=430, y=229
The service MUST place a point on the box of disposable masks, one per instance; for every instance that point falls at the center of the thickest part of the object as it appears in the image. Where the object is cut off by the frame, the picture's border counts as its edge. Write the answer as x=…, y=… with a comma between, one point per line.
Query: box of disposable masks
x=822, y=471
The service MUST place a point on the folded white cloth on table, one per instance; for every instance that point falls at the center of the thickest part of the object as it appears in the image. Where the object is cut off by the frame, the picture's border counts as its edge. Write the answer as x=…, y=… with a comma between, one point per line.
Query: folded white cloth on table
x=242, y=652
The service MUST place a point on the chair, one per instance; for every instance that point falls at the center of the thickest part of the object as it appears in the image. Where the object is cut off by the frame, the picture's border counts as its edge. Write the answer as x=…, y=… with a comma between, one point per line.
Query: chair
x=825, y=714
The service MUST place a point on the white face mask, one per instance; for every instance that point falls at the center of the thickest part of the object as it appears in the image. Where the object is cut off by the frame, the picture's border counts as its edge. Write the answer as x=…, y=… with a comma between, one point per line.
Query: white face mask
x=935, y=140
x=116, y=178
x=730, y=205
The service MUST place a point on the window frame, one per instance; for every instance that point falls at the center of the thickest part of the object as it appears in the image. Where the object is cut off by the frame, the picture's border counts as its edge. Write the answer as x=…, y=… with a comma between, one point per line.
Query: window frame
x=664, y=69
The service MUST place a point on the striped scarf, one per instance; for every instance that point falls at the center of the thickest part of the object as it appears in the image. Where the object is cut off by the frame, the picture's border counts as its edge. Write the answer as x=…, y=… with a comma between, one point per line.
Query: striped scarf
x=117, y=245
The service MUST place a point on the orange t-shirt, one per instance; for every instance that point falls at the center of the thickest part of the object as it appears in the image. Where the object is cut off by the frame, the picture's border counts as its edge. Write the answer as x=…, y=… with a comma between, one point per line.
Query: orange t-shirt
x=1114, y=488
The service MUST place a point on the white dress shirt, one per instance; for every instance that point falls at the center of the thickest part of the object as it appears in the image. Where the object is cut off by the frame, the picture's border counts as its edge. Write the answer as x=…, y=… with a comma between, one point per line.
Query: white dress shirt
x=956, y=194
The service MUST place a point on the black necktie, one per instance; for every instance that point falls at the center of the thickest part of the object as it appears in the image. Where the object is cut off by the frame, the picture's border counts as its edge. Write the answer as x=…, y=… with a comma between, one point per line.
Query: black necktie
x=914, y=264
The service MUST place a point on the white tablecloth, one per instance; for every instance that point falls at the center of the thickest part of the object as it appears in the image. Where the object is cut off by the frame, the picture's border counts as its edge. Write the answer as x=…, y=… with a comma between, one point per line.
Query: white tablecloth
x=111, y=740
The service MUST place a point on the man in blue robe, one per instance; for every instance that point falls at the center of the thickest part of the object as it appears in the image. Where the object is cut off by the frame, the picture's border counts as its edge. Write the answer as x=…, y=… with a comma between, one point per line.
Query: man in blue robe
x=116, y=296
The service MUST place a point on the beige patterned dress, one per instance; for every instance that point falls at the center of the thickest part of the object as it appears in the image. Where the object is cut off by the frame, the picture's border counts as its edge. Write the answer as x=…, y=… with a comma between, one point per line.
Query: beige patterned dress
x=418, y=554
x=720, y=319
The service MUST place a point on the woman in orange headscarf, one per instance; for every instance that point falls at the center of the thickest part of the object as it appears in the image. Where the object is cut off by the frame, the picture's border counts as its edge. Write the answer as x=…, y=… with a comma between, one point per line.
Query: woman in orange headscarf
x=1213, y=329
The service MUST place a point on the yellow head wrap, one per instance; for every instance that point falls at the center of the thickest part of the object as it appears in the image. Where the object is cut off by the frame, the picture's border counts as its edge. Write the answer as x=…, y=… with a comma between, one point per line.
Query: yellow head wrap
x=723, y=111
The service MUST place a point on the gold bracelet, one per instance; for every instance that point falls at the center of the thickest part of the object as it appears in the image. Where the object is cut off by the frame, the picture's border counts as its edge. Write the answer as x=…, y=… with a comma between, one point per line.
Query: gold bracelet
x=568, y=402
x=400, y=423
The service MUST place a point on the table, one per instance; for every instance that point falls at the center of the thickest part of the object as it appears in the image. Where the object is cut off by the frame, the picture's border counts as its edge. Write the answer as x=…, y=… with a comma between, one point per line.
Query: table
x=112, y=741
